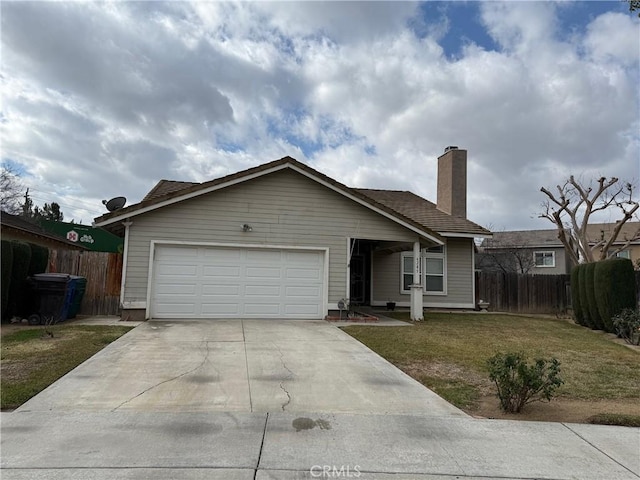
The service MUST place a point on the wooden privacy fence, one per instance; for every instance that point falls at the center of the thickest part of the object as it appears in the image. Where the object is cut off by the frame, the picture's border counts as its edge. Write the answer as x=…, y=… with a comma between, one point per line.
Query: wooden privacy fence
x=519, y=293
x=103, y=272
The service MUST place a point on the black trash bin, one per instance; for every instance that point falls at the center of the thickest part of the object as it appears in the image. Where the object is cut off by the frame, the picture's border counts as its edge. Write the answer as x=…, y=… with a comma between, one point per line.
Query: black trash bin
x=53, y=293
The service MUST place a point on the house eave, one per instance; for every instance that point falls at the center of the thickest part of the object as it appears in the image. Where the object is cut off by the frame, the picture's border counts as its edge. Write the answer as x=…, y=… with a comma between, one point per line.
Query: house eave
x=426, y=234
x=465, y=235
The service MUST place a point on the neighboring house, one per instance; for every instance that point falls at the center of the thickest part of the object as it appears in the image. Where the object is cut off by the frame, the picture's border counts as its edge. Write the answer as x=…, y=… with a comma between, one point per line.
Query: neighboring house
x=14, y=227
x=94, y=239
x=541, y=251
x=282, y=240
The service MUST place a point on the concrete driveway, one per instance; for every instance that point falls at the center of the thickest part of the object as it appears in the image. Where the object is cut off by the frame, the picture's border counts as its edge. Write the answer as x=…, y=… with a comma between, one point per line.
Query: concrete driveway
x=285, y=400
x=239, y=366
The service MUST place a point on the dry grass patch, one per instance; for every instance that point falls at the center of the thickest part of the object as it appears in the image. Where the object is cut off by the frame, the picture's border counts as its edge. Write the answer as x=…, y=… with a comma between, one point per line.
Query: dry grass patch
x=32, y=359
x=448, y=353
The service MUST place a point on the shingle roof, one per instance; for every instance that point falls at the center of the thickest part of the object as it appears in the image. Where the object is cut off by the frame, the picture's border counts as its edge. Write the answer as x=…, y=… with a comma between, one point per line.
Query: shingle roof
x=549, y=238
x=405, y=206
x=423, y=211
x=163, y=187
x=18, y=223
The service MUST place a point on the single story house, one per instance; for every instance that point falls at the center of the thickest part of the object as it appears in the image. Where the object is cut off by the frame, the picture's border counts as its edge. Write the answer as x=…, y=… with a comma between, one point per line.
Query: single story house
x=282, y=240
x=541, y=252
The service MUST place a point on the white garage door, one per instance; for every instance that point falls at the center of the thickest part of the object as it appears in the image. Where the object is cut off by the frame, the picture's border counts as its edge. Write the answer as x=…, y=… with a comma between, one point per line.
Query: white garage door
x=208, y=282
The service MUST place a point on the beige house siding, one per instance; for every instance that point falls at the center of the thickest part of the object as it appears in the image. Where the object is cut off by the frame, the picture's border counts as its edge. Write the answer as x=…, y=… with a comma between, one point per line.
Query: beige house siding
x=386, y=282
x=283, y=208
x=562, y=265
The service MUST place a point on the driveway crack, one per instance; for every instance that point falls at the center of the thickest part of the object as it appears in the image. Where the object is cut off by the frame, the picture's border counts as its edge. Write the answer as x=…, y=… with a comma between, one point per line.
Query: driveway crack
x=204, y=360
x=289, y=377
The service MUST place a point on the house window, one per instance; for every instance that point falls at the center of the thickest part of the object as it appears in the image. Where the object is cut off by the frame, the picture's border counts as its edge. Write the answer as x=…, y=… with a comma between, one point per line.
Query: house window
x=623, y=254
x=544, y=259
x=433, y=269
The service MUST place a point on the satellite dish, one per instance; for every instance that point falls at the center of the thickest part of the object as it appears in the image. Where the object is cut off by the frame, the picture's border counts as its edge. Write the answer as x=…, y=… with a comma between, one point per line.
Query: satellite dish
x=115, y=203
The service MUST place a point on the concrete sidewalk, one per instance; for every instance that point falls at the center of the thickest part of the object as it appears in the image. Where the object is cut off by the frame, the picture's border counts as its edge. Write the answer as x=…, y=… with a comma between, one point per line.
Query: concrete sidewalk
x=288, y=446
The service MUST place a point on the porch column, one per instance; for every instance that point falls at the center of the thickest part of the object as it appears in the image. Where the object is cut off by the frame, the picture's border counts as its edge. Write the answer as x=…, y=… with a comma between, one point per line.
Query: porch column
x=416, y=289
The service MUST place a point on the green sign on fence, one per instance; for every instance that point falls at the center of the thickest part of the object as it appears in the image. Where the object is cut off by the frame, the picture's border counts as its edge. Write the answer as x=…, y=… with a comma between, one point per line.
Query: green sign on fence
x=95, y=239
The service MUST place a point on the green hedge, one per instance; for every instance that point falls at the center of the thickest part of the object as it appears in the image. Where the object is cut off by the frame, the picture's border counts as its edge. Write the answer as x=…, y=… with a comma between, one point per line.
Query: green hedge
x=7, y=265
x=39, y=259
x=576, y=300
x=615, y=288
x=19, y=272
x=594, y=314
x=584, y=295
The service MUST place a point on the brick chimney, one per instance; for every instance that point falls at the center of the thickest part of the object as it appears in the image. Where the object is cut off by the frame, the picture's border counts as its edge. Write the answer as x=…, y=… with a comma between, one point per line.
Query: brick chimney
x=452, y=182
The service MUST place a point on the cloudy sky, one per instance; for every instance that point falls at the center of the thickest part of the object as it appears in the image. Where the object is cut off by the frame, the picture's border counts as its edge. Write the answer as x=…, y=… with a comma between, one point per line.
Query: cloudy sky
x=105, y=99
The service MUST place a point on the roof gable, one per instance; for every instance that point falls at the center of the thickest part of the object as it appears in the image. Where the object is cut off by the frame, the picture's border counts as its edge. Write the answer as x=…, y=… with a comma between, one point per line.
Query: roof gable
x=168, y=192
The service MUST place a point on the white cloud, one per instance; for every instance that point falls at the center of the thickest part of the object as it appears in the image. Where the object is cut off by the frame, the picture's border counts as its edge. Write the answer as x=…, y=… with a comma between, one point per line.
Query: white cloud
x=106, y=99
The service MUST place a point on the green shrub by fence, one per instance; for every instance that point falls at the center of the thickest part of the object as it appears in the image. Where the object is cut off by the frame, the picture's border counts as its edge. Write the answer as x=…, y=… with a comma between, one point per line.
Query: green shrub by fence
x=39, y=259
x=576, y=300
x=19, y=272
x=584, y=295
x=7, y=265
x=615, y=289
x=594, y=315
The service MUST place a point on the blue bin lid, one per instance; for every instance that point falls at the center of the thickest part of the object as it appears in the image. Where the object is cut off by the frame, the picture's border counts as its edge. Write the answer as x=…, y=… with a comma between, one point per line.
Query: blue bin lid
x=52, y=277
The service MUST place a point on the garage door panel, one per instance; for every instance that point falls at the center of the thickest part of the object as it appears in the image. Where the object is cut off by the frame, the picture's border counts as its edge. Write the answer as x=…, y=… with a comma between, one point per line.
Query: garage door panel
x=296, y=273
x=172, y=270
x=221, y=271
x=263, y=272
x=297, y=291
x=219, y=309
x=301, y=310
x=176, y=289
x=262, y=290
x=224, y=290
x=217, y=282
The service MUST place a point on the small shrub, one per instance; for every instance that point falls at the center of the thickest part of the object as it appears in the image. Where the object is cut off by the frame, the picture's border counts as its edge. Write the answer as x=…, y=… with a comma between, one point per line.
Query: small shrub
x=520, y=383
x=627, y=325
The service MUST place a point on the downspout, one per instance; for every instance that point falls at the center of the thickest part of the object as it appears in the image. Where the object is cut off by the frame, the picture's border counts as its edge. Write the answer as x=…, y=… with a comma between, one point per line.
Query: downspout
x=125, y=254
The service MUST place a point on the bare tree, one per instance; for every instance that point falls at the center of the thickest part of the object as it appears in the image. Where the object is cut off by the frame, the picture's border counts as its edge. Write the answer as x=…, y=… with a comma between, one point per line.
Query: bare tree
x=572, y=206
x=11, y=189
x=508, y=255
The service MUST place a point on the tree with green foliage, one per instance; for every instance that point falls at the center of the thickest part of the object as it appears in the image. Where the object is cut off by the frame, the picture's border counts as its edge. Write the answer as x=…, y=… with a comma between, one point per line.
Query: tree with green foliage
x=49, y=211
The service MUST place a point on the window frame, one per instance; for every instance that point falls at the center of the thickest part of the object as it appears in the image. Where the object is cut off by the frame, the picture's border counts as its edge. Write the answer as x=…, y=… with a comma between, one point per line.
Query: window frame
x=425, y=254
x=544, y=254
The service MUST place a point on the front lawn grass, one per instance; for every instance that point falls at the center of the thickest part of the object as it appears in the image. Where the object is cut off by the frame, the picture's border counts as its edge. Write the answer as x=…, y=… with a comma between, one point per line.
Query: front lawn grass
x=448, y=353
x=32, y=359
